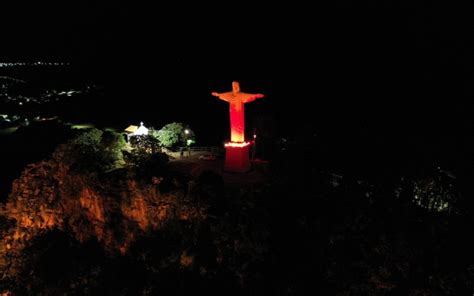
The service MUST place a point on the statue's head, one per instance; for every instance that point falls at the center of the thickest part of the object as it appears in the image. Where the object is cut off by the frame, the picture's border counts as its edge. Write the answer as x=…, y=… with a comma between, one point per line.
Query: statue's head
x=235, y=86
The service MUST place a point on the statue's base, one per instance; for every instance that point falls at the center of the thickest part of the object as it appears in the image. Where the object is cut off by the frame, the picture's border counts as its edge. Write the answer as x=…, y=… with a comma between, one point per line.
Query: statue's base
x=237, y=158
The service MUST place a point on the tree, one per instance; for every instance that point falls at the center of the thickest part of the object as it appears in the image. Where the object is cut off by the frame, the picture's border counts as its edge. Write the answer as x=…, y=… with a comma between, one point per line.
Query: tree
x=93, y=151
x=173, y=134
x=146, y=155
x=145, y=144
x=113, y=145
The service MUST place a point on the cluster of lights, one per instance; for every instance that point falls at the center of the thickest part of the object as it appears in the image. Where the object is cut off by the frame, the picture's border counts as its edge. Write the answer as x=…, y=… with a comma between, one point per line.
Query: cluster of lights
x=236, y=144
x=20, y=64
x=45, y=97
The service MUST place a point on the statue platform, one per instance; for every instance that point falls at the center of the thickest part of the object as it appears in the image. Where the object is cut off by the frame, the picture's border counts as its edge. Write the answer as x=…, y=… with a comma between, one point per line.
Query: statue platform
x=237, y=159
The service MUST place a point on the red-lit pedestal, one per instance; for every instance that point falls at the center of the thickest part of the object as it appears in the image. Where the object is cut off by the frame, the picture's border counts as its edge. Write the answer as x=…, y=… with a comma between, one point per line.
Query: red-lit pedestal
x=237, y=158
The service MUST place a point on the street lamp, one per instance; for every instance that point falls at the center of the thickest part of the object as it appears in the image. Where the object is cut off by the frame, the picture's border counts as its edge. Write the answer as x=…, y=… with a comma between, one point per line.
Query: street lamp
x=254, y=146
x=188, y=141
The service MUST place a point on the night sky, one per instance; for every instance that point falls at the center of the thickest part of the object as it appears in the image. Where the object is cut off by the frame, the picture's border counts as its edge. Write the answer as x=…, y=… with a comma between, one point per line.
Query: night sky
x=384, y=71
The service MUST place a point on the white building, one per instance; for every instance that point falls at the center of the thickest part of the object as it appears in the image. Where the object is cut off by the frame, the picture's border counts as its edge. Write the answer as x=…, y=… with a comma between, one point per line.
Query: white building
x=134, y=130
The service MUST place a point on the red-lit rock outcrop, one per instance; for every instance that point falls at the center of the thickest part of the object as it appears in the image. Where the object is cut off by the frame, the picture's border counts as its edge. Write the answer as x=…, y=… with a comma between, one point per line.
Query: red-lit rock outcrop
x=48, y=195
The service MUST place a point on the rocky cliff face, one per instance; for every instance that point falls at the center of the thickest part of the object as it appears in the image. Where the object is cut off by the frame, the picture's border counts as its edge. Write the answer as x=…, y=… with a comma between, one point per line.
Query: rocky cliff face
x=116, y=212
x=65, y=230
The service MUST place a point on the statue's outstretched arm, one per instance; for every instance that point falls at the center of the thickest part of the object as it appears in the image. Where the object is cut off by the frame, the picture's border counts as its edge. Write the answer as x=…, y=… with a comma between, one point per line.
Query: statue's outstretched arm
x=221, y=96
x=252, y=97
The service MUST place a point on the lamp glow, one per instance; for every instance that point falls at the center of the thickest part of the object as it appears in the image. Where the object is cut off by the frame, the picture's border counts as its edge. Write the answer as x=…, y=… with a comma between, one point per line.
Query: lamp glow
x=236, y=144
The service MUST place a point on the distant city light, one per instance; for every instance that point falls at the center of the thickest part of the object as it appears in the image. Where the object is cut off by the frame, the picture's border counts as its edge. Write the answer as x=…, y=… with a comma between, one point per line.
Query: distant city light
x=39, y=63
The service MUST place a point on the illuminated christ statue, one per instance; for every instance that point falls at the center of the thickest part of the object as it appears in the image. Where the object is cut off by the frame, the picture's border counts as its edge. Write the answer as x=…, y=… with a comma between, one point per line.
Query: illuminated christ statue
x=236, y=101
